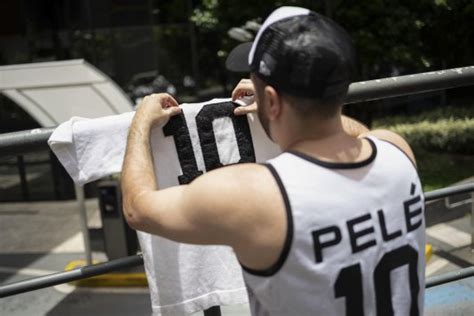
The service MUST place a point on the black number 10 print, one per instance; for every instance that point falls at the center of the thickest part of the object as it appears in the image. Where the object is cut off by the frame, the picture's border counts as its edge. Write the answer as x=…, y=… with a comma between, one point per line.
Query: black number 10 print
x=178, y=128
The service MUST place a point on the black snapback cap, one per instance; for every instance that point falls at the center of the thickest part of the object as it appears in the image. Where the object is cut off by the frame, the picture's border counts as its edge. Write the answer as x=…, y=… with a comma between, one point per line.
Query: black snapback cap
x=299, y=52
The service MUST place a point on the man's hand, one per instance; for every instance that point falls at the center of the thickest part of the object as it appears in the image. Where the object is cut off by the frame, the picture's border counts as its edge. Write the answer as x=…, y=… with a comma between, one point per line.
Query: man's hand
x=157, y=109
x=244, y=90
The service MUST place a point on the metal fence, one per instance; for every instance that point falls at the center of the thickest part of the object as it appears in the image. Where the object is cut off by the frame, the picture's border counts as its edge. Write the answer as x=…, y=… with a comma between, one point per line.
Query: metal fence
x=32, y=140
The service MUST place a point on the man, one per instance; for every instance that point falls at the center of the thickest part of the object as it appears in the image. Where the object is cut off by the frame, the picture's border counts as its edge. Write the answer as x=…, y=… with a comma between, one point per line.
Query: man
x=334, y=225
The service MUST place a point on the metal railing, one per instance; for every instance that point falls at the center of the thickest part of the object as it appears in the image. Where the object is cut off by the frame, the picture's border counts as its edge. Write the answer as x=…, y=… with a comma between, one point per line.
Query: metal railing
x=69, y=276
x=449, y=277
x=28, y=141
x=16, y=143
x=32, y=140
x=410, y=84
x=445, y=192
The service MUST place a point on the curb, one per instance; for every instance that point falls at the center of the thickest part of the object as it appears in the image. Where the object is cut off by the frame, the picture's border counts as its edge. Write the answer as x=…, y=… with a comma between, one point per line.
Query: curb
x=428, y=252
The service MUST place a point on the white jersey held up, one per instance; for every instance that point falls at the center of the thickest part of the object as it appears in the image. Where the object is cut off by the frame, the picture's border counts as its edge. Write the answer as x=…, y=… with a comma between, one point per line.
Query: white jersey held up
x=355, y=241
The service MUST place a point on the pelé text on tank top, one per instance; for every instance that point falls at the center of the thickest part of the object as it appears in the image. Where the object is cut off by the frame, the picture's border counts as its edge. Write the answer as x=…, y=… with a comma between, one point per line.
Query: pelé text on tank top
x=361, y=233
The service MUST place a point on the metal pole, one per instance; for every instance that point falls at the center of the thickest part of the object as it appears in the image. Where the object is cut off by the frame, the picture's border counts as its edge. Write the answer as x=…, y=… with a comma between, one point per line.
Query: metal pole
x=18, y=143
x=410, y=84
x=53, y=162
x=449, y=277
x=69, y=276
x=445, y=192
x=472, y=221
x=137, y=260
x=83, y=222
x=23, y=181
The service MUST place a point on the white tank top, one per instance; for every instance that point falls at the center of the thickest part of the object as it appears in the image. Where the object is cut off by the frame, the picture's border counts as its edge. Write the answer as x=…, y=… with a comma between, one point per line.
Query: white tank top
x=355, y=239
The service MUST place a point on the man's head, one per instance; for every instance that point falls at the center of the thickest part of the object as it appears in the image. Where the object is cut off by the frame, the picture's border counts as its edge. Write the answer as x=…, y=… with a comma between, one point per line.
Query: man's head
x=306, y=58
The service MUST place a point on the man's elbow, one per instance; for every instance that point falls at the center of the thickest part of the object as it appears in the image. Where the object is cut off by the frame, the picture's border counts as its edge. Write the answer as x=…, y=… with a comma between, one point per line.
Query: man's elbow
x=133, y=214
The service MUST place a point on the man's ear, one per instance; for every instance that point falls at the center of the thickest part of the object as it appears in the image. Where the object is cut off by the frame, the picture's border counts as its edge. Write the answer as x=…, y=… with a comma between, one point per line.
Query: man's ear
x=274, y=102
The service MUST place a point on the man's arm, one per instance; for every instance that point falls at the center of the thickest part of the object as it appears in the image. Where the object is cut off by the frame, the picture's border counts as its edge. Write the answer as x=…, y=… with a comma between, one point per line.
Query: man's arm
x=146, y=208
x=138, y=177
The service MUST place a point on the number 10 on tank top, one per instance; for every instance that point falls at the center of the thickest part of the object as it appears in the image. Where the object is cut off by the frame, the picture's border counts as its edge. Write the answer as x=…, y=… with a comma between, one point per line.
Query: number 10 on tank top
x=349, y=280
x=178, y=128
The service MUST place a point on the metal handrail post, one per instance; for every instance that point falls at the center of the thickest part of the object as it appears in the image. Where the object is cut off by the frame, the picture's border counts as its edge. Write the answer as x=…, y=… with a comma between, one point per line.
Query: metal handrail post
x=69, y=276
x=83, y=222
x=445, y=192
x=137, y=260
x=17, y=143
x=449, y=277
x=472, y=221
x=410, y=84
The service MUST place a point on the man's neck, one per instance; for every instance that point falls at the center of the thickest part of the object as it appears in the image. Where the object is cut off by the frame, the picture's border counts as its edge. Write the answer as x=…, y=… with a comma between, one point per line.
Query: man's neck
x=311, y=130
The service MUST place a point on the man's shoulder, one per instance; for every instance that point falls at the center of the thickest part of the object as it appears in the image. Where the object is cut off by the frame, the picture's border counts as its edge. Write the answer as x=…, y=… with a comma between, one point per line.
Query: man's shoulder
x=393, y=139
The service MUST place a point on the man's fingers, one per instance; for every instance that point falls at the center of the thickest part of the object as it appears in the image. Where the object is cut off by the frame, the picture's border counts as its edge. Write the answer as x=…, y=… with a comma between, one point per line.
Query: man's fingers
x=243, y=88
x=239, y=111
x=164, y=99
x=169, y=101
x=242, y=93
x=174, y=110
x=236, y=94
x=245, y=109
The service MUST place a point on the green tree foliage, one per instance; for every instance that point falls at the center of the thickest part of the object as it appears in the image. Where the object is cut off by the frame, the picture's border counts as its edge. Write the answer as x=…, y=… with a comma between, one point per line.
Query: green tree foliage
x=392, y=37
x=448, y=34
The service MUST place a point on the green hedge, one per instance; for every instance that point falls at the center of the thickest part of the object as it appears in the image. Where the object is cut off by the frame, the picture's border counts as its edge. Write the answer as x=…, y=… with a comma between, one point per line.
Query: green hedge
x=447, y=129
x=447, y=112
x=439, y=170
x=445, y=135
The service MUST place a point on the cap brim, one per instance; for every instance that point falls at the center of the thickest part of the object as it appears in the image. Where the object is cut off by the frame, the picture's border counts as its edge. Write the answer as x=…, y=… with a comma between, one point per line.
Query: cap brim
x=237, y=61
